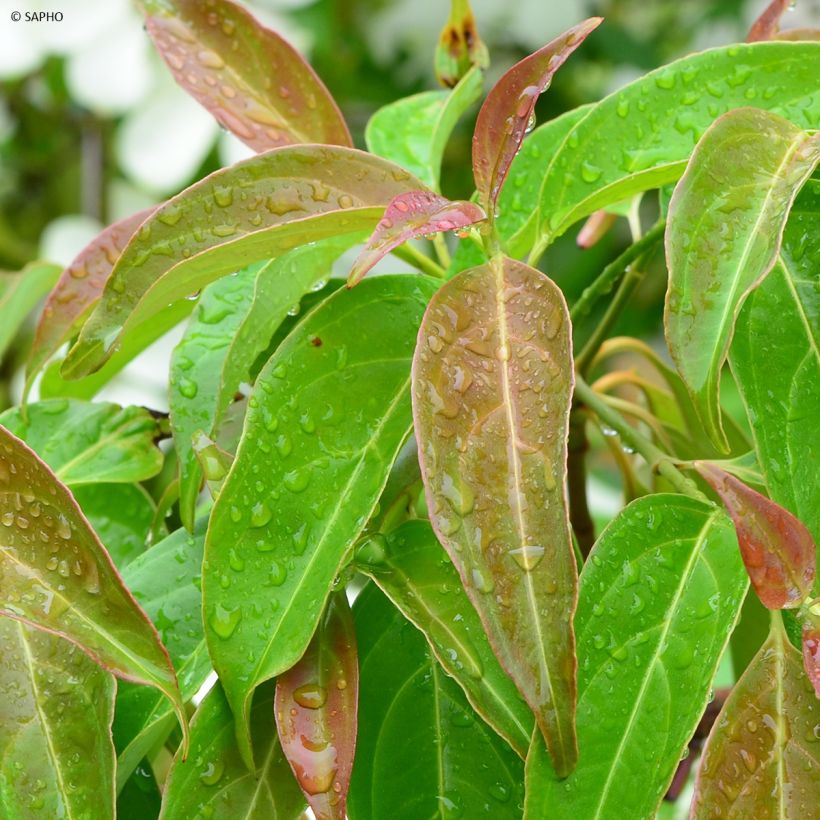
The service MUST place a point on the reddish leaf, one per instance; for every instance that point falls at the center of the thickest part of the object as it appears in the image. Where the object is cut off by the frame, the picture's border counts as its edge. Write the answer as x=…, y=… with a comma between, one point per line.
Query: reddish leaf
x=762, y=758
x=595, y=228
x=777, y=549
x=316, y=712
x=767, y=24
x=57, y=576
x=408, y=215
x=459, y=46
x=78, y=289
x=254, y=82
x=505, y=116
x=811, y=656
x=492, y=383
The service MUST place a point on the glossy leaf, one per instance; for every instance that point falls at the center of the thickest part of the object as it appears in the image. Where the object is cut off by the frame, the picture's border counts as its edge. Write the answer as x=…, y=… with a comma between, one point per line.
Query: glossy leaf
x=56, y=755
x=251, y=79
x=255, y=209
x=324, y=424
x=762, y=758
x=725, y=222
x=459, y=47
x=412, y=569
x=88, y=443
x=19, y=294
x=777, y=549
x=166, y=582
x=811, y=654
x=413, y=132
x=214, y=781
x=492, y=384
x=517, y=212
x=57, y=575
x=505, y=115
x=660, y=595
x=408, y=215
x=78, y=289
x=121, y=515
x=140, y=798
x=767, y=24
x=315, y=707
x=775, y=359
x=422, y=751
x=641, y=136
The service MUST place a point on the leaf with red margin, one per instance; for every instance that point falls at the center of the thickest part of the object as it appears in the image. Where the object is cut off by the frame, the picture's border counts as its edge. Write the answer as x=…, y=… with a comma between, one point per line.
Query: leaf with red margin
x=767, y=25
x=811, y=655
x=503, y=119
x=762, y=758
x=492, y=385
x=316, y=712
x=777, y=548
x=78, y=289
x=57, y=575
x=459, y=46
x=408, y=215
x=251, y=79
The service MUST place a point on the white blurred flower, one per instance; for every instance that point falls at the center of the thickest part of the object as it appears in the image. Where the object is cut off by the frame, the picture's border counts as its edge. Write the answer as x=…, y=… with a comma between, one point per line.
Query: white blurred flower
x=66, y=236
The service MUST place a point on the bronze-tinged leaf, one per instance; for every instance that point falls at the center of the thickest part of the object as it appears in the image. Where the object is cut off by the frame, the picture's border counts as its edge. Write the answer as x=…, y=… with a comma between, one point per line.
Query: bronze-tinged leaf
x=777, y=548
x=459, y=46
x=316, y=707
x=767, y=25
x=492, y=383
x=811, y=656
x=253, y=81
x=762, y=758
x=595, y=228
x=56, y=575
x=77, y=290
x=412, y=214
x=505, y=117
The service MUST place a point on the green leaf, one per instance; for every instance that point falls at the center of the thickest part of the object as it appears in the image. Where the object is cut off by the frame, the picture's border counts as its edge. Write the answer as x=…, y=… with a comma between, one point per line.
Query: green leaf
x=57, y=575
x=251, y=79
x=315, y=707
x=214, y=780
x=775, y=359
x=459, y=48
x=660, y=595
x=776, y=547
x=492, y=384
x=505, y=115
x=725, y=223
x=413, y=132
x=77, y=290
x=121, y=515
x=56, y=755
x=324, y=424
x=166, y=582
x=421, y=750
x=19, y=294
x=412, y=569
x=762, y=758
x=88, y=443
x=408, y=215
x=140, y=799
x=517, y=212
x=255, y=209
x=641, y=136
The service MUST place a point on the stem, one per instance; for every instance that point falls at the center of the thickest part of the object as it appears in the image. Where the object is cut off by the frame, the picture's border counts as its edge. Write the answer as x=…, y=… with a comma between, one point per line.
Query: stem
x=657, y=459
x=418, y=260
x=441, y=250
x=610, y=275
x=579, y=515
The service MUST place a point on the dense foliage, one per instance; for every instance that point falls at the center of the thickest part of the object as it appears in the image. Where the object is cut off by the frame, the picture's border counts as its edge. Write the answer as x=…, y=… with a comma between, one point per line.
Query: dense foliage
x=418, y=443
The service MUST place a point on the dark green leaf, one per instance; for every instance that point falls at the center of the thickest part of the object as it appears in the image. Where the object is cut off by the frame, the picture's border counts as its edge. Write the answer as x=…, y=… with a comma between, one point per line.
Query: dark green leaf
x=327, y=416
x=492, y=384
x=726, y=219
x=422, y=751
x=660, y=595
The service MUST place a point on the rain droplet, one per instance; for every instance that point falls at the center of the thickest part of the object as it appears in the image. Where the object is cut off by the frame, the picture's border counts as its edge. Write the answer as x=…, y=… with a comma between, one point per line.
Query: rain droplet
x=310, y=696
